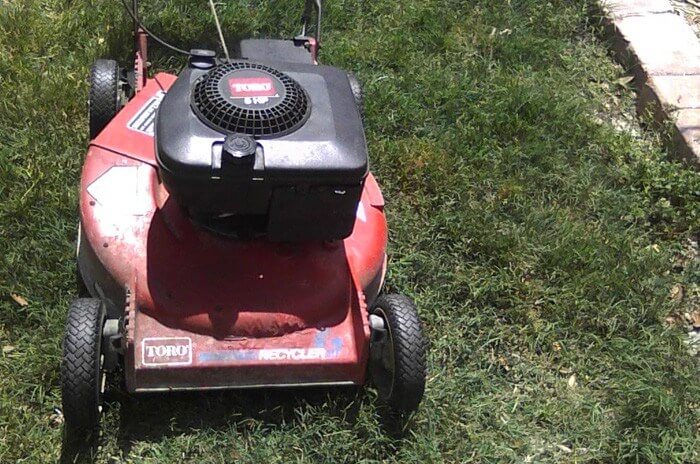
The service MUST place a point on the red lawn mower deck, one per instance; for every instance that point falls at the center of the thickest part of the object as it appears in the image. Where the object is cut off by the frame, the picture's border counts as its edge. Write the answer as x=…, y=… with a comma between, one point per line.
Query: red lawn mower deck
x=232, y=236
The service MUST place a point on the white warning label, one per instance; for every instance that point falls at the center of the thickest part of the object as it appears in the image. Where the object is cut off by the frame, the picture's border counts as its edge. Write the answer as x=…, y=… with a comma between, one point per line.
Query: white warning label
x=144, y=120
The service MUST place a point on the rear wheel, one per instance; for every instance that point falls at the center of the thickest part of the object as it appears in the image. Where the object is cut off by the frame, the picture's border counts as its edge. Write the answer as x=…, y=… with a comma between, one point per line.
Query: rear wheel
x=82, y=376
x=106, y=94
x=357, y=94
x=397, y=353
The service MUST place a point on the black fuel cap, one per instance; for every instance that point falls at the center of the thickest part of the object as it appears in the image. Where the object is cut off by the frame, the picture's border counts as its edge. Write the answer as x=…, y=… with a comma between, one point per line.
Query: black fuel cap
x=240, y=148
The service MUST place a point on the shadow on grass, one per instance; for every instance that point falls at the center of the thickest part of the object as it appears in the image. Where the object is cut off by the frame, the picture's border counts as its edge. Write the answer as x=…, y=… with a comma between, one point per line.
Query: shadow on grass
x=151, y=417
x=79, y=453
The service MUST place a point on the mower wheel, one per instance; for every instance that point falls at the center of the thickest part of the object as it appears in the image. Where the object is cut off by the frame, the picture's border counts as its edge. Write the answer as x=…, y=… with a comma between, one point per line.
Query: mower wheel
x=82, y=377
x=105, y=98
x=357, y=93
x=397, y=354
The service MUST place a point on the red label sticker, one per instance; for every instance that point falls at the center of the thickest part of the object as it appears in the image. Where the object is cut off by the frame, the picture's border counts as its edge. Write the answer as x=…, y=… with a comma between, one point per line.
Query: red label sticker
x=166, y=351
x=251, y=87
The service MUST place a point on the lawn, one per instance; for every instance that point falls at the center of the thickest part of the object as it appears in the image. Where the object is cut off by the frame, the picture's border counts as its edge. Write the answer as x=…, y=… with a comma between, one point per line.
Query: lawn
x=546, y=238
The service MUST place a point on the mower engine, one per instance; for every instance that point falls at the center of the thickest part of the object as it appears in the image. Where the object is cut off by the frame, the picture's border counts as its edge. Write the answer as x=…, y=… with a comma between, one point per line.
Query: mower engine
x=243, y=149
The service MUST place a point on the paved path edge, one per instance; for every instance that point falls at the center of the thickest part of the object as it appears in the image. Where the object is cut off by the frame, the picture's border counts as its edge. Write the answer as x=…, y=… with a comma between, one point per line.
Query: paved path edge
x=663, y=53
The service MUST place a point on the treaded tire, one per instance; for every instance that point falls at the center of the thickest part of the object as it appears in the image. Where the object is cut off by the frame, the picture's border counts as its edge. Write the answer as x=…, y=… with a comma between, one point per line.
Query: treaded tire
x=104, y=94
x=357, y=94
x=403, y=391
x=81, y=375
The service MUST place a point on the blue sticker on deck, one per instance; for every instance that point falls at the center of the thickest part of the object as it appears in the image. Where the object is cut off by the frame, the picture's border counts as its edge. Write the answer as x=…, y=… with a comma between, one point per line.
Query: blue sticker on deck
x=273, y=354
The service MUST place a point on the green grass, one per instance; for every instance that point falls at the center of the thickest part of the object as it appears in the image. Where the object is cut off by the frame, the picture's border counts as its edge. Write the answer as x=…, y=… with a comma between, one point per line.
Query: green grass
x=539, y=240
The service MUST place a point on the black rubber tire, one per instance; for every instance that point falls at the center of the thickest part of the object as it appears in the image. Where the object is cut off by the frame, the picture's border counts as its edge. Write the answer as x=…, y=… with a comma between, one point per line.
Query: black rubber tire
x=81, y=376
x=406, y=338
x=104, y=101
x=357, y=94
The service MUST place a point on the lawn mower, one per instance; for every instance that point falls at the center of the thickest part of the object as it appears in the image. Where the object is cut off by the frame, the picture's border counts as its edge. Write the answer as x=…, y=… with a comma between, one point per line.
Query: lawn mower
x=231, y=235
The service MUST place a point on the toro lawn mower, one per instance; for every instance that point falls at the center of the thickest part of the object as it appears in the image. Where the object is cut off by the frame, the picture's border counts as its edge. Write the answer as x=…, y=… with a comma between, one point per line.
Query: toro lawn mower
x=231, y=235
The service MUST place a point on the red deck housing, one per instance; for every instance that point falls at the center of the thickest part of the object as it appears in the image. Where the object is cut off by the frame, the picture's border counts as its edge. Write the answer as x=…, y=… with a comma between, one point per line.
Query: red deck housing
x=202, y=311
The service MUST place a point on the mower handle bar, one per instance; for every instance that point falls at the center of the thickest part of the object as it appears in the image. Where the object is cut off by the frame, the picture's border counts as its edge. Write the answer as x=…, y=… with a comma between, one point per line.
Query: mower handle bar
x=310, y=5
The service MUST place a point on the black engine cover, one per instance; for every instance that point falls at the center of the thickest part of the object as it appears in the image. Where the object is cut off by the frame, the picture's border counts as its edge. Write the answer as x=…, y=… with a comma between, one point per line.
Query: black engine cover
x=250, y=98
x=273, y=147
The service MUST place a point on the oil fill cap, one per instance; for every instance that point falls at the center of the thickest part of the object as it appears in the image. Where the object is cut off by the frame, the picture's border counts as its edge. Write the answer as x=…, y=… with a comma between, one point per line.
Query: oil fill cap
x=240, y=148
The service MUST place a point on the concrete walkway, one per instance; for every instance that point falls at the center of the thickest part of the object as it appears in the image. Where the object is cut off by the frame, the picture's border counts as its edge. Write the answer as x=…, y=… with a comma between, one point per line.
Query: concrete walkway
x=663, y=52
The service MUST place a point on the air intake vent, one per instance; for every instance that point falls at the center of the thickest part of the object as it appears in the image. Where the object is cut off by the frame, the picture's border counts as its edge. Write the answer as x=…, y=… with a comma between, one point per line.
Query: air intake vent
x=249, y=98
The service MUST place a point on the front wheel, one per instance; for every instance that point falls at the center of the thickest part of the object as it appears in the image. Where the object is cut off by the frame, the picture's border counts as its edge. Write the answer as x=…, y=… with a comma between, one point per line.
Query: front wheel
x=106, y=96
x=397, y=353
x=357, y=94
x=82, y=376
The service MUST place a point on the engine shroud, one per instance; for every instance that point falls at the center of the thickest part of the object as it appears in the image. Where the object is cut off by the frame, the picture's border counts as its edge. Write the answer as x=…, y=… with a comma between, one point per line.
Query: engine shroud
x=264, y=148
x=250, y=98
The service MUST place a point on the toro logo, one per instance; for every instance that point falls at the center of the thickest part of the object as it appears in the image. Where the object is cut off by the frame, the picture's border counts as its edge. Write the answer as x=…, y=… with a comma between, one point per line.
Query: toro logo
x=250, y=87
x=168, y=351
